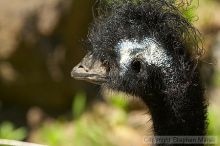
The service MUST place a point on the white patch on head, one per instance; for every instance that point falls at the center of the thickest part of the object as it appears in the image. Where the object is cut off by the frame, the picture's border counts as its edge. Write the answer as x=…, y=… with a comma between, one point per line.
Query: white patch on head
x=148, y=50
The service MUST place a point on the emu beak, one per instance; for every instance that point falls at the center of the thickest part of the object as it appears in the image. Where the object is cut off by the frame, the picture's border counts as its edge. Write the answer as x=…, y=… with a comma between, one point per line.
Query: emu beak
x=90, y=70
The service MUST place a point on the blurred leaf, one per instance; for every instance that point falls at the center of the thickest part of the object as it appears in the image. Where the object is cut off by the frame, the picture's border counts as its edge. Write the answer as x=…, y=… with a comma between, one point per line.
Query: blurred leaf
x=91, y=133
x=79, y=104
x=216, y=78
x=52, y=134
x=189, y=12
x=118, y=101
x=214, y=122
x=7, y=131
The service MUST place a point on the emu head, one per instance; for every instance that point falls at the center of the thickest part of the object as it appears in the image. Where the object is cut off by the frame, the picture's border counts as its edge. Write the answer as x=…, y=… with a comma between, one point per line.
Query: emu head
x=139, y=48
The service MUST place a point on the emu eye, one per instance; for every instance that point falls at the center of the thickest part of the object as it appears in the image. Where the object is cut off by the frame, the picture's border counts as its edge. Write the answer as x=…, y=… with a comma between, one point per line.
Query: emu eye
x=136, y=66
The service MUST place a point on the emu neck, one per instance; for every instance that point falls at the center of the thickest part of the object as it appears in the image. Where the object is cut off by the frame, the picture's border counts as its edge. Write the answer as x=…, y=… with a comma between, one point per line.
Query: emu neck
x=179, y=112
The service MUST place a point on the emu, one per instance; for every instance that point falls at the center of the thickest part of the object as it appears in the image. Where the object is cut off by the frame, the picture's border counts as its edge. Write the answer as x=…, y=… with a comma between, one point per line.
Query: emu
x=149, y=49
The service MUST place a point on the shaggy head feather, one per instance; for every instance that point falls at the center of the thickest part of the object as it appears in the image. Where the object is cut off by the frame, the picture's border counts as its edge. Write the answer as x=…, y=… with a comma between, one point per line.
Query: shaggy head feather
x=159, y=20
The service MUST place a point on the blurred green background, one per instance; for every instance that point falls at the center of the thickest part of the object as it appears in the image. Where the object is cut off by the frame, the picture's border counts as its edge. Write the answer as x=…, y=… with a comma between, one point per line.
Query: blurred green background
x=41, y=41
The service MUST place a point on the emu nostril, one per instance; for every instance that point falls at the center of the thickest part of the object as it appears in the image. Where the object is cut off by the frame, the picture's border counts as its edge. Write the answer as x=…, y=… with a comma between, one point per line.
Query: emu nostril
x=80, y=66
x=84, y=68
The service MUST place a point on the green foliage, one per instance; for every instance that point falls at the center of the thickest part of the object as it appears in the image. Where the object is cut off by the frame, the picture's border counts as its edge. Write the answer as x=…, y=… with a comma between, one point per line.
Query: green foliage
x=85, y=131
x=8, y=131
x=214, y=123
x=79, y=104
x=92, y=129
x=82, y=132
x=91, y=133
x=188, y=10
x=118, y=101
x=53, y=134
x=216, y=78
